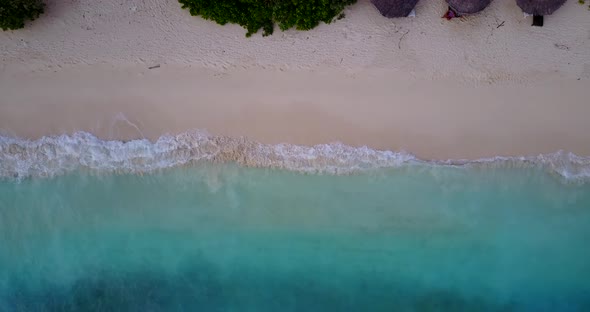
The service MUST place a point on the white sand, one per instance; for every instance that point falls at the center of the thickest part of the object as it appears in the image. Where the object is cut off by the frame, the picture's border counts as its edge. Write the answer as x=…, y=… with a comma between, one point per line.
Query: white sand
x=461, y=89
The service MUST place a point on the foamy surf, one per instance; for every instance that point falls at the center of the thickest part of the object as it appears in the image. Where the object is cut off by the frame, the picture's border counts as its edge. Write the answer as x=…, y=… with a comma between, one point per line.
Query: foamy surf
x=57, y=155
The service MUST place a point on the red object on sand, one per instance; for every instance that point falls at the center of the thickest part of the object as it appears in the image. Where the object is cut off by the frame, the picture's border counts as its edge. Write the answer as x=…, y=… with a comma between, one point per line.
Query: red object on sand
x=450, y=14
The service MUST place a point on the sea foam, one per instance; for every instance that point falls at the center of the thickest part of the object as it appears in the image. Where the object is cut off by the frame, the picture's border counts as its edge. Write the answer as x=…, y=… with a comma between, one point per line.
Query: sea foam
x=56, y=155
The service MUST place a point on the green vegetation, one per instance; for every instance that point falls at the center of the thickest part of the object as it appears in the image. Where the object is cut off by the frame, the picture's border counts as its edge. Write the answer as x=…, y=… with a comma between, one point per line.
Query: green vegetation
x=583, y=2
x=256, y=14
x=14, y=13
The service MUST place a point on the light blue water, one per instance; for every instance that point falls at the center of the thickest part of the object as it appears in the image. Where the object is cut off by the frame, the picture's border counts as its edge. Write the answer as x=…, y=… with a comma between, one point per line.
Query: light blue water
x=228, y=238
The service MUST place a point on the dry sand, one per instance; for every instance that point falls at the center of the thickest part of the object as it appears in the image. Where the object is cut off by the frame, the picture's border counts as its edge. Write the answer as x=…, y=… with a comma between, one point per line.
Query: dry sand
x=482, y=86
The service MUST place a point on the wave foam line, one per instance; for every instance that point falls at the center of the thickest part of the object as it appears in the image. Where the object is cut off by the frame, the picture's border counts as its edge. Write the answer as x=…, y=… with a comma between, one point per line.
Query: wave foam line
x=56, y=155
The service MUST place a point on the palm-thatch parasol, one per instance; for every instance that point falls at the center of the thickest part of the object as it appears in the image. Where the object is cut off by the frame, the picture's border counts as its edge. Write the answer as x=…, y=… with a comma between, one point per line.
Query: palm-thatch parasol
x=461, y=7
x=395, y=8
x=538, y=8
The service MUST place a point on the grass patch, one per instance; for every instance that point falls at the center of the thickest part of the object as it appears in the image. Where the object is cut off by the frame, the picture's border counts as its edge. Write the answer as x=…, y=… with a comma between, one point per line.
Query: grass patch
x=14, y=13
x=254, y=15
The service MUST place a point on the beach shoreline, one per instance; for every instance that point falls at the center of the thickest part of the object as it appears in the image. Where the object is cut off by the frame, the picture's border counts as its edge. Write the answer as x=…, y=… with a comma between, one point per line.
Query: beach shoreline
x=357, y=81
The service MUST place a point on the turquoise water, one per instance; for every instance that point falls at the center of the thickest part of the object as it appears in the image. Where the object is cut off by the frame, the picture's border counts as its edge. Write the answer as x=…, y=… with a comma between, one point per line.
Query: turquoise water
x=229, y=238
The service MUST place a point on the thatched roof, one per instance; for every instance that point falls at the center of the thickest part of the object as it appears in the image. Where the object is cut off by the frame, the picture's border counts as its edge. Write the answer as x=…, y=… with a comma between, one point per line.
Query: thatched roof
x=540, y=7
x=468, y=6
x=395, y=8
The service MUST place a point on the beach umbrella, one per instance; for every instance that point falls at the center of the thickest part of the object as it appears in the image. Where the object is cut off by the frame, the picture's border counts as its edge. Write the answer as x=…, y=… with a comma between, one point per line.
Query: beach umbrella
x=395, y=8
x=538, y=8
x=462, y=7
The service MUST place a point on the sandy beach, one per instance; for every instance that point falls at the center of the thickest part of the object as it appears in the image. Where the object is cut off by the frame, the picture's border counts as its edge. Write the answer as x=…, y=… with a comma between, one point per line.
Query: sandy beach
x=486, y=85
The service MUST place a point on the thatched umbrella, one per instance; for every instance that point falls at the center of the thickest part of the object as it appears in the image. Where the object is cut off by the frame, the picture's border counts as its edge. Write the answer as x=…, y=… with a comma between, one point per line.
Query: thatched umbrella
x=395, y=8
x=538, y=8
x=462, y=7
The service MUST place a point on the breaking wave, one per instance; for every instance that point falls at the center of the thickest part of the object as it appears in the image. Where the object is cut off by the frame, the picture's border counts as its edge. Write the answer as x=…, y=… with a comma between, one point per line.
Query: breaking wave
x=56, y=155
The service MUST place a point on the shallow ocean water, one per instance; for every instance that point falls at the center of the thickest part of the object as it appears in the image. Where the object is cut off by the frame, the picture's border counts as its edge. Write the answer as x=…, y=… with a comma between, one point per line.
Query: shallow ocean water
x=222, y=237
